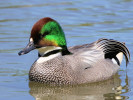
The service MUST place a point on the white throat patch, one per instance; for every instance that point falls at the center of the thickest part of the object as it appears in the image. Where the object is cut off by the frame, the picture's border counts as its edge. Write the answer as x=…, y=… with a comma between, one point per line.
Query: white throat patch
x=44, y=59
x=42, y=51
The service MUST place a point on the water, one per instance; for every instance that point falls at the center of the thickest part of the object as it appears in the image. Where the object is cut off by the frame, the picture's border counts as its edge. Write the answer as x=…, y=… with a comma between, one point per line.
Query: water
x=83, y=21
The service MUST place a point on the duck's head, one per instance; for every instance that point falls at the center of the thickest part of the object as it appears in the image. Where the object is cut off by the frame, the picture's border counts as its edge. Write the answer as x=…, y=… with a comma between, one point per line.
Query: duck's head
x=46, y=33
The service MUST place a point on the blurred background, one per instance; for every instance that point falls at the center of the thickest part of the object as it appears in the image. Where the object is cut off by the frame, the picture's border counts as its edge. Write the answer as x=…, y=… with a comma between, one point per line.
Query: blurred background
x=83, y=21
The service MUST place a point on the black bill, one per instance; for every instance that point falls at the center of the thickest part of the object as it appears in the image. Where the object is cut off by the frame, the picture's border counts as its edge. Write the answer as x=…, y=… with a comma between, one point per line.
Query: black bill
x=27, y=49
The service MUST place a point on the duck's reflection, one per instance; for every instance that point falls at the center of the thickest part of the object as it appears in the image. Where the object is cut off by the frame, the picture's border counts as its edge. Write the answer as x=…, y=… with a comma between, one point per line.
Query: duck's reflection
x=119, y=91
x=106, y=90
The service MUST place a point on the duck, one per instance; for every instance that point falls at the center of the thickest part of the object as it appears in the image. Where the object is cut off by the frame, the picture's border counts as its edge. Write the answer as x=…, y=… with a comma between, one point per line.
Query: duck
x=59, y=64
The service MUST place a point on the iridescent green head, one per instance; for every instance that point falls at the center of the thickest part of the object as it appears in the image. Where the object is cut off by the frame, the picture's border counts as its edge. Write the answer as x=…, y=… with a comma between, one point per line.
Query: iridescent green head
x=46, y=32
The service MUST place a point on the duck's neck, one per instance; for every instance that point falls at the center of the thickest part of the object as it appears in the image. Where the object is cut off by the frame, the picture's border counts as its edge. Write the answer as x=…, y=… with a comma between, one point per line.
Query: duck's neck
x=49, y=50
x=65, y=51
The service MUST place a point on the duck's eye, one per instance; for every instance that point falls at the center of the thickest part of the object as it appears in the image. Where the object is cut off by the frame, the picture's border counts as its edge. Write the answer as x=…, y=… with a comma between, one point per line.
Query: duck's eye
x=44, y=34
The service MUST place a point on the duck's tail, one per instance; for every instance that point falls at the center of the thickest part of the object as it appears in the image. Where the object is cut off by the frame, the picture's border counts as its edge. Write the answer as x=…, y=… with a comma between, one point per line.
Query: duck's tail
x=113, y=50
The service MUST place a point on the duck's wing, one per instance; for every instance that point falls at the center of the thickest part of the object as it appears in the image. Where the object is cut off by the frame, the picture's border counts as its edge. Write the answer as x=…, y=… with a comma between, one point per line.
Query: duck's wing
x=102, y=49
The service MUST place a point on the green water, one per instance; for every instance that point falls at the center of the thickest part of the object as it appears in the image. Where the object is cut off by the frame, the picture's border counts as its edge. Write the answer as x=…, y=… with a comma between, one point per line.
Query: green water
x=83, y=21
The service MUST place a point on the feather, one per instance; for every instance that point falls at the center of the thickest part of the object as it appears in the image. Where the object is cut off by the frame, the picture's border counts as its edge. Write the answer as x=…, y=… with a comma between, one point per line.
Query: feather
x=112, y=47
